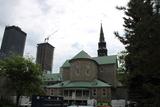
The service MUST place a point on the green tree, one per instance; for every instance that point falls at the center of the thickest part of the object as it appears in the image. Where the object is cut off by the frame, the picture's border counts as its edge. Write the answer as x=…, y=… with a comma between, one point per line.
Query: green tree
x=121, y=71
x=142, y=42
x=22, y=75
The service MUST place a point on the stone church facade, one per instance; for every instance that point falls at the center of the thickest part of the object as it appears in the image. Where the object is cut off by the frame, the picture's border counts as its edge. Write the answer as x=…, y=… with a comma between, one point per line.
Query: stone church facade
x=86, y=78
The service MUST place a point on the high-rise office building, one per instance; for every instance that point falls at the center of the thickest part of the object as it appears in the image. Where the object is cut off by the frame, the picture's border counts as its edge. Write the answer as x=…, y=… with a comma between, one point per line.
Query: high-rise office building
x=45, y=56
x=13, y=41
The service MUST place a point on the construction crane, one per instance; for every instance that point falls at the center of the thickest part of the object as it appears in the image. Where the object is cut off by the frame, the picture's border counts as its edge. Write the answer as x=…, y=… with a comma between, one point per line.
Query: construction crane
x=47, y=38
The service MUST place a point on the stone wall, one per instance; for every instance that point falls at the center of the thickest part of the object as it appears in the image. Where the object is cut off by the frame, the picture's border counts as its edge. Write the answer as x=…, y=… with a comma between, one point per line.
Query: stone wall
x=101, y=94
x=83, y=70
x=65, y=72
x=107, y=73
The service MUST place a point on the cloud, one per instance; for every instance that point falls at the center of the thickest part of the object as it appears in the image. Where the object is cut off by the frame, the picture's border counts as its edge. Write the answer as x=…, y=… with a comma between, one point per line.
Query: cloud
x=44, y=6
x=77, y=22
x=77, y=46
x=6, y=8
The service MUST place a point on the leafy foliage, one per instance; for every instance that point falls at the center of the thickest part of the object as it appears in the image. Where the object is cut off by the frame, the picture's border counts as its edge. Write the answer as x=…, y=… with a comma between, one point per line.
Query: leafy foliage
x=142, y=42
x=121, y=71
x=24, y=77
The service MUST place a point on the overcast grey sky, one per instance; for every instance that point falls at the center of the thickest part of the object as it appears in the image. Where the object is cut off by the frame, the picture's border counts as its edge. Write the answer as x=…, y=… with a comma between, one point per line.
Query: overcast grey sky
x=77, y=22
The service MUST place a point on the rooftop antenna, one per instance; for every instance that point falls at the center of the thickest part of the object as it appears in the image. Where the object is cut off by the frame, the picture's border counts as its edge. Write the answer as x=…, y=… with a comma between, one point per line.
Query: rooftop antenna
x=48, y=36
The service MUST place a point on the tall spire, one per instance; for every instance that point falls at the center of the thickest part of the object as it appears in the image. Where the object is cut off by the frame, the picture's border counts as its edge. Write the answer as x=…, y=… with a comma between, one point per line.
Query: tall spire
x=102, y=50
x=101, y=39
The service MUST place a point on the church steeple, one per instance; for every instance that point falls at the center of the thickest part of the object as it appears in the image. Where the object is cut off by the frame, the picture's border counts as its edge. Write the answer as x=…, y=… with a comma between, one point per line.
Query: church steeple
x=102, y=50
x=101, y=39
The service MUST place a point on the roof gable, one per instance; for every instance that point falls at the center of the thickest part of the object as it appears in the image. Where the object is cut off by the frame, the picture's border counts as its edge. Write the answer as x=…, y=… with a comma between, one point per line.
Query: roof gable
x=102, y=60
x=82, y=54
x=66, y=64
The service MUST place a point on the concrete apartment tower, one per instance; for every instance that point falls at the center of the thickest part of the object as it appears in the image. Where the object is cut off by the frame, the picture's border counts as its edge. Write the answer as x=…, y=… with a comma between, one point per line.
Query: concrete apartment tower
x=13, y=41
x=45, y=56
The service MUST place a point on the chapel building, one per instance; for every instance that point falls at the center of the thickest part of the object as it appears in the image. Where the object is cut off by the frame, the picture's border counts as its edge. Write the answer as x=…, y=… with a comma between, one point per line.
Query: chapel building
x=87, y=79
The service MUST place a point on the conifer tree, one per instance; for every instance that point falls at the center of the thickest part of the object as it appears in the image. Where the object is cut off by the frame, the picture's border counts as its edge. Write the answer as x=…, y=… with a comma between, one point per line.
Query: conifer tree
x=142, y=42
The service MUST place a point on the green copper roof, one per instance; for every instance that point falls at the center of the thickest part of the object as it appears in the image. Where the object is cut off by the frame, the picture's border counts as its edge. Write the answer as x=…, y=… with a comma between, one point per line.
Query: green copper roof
x=52, y=77
x=100, y=60
x=66, y=64
x=106, y=59
x=82, y=54
x=80, y=84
